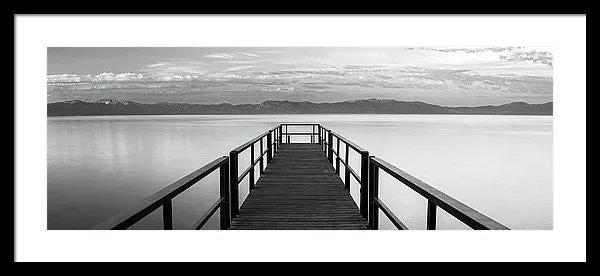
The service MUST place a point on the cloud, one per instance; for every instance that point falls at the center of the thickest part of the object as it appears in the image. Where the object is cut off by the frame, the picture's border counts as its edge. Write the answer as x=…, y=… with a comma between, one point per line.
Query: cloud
x=528, y=56
x=462, y=71
x=63, y=78
x=97, y=78
x=307, y=79
x=317, y=87
x=247, y=54
x=156, y=65
x=238, y=68
x=109, y=78
x=112, y=77
x=174, y=68
x=510, y=54
x=270, y=52
x=473, y=49
x=233, y=61
x=232, y=55
x=220, y=56
x=376, y=55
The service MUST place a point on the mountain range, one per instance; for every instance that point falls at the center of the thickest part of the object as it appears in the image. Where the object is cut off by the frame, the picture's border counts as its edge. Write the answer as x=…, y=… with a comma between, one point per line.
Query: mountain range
x=366, y=106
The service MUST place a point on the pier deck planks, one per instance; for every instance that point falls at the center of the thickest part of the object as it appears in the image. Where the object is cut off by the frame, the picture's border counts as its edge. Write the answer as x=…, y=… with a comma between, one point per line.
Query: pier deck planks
x=299, y=190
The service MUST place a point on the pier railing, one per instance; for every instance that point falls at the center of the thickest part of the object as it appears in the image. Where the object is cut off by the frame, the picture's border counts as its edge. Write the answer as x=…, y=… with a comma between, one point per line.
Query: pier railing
x=434, y=198
x=272, y=136
x=269, y=142
x=164, y=199
x=285, y=134
x=327, y=138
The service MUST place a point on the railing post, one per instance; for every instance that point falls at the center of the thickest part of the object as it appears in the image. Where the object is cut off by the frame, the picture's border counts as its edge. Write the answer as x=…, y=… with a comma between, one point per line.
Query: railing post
x=364, y=172
x=337, y=157
x=312, y=134
x=279, y=141
x=330, y=147
x=168, y=215
x=274, y=138
x=324, y=139
x=347, y=171
x=325, y=144
x=224, y=193
x=431, y=216
x=373, y=184
x=320, y=138
x=233, y=183
x=261, y=163
x=269, y=148
x=251, y=173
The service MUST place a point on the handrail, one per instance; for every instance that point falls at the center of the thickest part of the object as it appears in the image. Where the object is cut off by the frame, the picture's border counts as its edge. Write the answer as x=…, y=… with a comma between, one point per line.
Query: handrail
x=164, y=198
x=369, y=205
x=435, y=197
x=287, y=134
x=300, y=133
x=299, y=124
x=327, y=143
x=352, y=172
x=246, y=145
x=354, y=146
x=235, y=179
x=226, y=200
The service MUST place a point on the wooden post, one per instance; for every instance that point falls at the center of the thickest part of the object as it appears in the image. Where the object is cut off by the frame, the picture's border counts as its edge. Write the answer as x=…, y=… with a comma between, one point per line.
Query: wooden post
x=373, y=193
x=233, y=183
x=347, y=173
x=321, y=138
x=224, y=193
x=274, y=138
x=431, y=216
x=261, y=170
x=168, y=215
x=312, y=134
x=269, y=148
x=319, y=133
x=324, y=139
x=337, y=157
x=251, y=173
x=364, y=174
x=330, y=147
x=280, y=134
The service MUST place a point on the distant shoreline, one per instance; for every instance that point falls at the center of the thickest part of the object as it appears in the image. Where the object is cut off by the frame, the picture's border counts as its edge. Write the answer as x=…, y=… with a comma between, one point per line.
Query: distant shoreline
x=108, y=107
x=442, y=114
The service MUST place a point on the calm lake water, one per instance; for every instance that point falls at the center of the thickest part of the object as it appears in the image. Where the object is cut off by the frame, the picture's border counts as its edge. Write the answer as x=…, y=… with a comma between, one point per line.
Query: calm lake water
x=499, y=165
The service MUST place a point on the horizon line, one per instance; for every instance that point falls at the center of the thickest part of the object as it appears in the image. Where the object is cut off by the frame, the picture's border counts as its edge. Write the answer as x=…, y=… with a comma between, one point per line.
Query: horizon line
x=305, y=101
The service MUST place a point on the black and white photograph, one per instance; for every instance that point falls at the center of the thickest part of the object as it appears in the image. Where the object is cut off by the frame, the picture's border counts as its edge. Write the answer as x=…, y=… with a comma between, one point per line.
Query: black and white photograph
x=474, y=124
x=299, y=142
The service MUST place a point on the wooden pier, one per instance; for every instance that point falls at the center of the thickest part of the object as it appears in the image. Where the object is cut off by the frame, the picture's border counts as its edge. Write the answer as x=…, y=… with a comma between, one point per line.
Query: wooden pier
x=300, y=186
x=299, y=190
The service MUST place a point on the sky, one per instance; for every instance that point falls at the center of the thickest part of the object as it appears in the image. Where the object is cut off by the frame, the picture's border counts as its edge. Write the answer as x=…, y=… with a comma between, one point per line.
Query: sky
x=450, y=76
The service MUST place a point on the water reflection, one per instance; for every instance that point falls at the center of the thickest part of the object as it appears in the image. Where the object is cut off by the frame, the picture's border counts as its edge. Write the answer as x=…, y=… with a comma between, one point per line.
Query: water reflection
x=499, y=165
